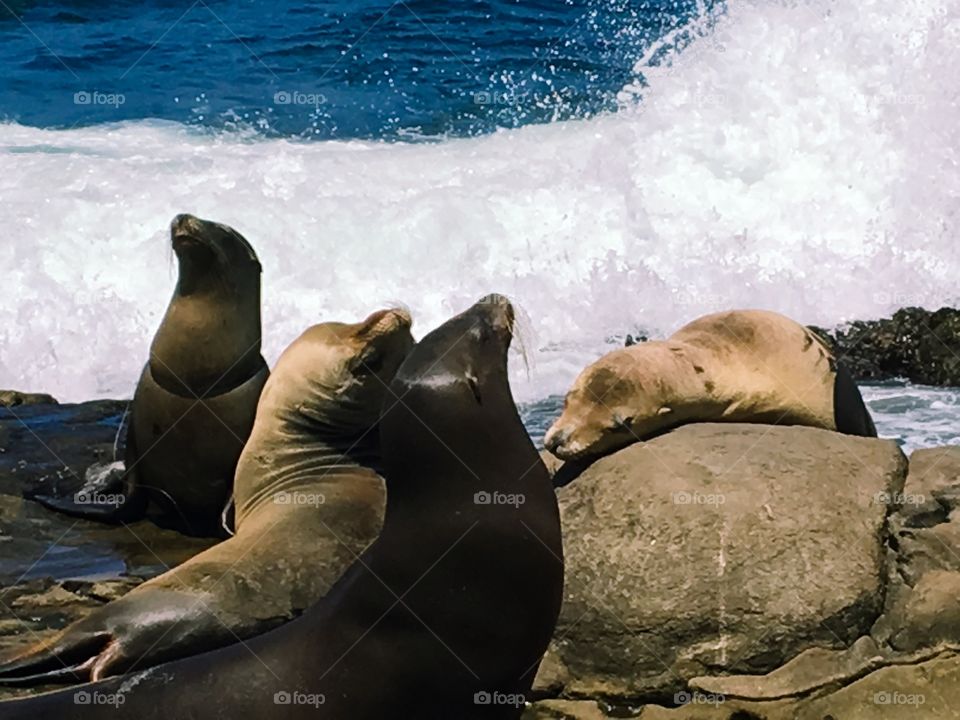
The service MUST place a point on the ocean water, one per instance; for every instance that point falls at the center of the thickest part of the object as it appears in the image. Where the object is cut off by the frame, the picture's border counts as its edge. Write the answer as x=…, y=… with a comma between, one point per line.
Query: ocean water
x=612, y=166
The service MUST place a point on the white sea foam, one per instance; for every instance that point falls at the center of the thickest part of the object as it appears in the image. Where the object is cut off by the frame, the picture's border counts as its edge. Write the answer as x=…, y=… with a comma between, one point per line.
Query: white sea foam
x=801, y=158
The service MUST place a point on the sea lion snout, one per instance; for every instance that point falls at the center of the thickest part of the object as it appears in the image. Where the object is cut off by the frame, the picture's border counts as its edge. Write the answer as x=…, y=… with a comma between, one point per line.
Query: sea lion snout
x=500, y=312
x=185, y=226
x=386, y=321
x=560, y=441
x=555, y=439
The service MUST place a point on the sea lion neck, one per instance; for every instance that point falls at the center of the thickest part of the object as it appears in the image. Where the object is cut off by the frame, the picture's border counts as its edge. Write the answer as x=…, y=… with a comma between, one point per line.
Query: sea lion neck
x=466, y=458
x=209, y=343
x=280, y=456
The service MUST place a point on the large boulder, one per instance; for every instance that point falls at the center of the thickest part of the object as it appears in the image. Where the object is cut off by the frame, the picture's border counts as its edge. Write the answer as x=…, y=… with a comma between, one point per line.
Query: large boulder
x=718, y=548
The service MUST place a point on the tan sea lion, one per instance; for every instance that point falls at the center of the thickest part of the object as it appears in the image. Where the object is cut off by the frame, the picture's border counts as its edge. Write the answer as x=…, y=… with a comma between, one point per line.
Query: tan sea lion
x=445, y=617
x=736, y=366
x=197, y=396
x=309, y=498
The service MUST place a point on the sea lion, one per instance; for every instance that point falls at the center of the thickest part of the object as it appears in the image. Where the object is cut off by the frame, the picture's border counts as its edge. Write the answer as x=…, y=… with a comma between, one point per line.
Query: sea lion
x=308, y=498
x=194, y=406
x=736, y=366
x=446, y=615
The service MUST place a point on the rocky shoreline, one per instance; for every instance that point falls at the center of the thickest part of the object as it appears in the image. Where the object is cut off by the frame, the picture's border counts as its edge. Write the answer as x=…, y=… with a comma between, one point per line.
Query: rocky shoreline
x=718, y=572
x=922, y=346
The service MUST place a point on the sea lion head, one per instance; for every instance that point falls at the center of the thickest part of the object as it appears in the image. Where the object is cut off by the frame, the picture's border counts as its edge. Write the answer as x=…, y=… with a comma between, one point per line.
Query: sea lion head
x=450, y=410
x=613, y=403
x=211, y=255
x=462, y=356
x=336, y=375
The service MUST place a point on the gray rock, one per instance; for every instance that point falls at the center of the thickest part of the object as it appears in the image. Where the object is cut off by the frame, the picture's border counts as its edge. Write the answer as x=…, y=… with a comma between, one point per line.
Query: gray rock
x=716, y=549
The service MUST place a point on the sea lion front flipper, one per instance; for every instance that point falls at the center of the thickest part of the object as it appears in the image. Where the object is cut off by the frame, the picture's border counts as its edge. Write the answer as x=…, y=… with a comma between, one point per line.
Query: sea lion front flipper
x=109, y=494
x=67, y=659
x=850, y=412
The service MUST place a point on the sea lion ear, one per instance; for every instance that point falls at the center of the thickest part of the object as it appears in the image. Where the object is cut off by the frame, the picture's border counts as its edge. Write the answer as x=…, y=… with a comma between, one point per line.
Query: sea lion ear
x=664, y=411
x=474, y=384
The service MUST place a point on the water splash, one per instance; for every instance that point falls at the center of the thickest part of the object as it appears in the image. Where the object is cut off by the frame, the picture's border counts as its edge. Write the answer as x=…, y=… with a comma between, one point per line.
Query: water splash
x=799, y=157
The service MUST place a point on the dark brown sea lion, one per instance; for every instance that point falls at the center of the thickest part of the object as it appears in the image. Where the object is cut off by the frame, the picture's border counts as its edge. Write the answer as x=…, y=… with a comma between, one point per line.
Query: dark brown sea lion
x=446, y=616
x=309, y=499
x=197, y=397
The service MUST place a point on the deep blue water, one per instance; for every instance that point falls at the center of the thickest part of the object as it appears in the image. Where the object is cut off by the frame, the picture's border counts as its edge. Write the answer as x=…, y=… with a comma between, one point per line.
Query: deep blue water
x=325, y=69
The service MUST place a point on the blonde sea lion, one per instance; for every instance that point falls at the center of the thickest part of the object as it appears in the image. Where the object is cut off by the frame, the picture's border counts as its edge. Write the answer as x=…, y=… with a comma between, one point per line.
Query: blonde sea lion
x=736, y=366
x=194, y=405
x=309, y=498
x=445, y=617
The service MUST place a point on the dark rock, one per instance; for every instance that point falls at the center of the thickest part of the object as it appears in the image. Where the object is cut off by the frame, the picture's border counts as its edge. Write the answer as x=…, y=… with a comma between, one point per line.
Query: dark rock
x=13, y=398
x=920, y=345
x=48, y=447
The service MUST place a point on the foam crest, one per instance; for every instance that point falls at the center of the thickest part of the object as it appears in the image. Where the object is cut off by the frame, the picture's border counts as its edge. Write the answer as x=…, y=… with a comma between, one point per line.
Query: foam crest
x=800, y=158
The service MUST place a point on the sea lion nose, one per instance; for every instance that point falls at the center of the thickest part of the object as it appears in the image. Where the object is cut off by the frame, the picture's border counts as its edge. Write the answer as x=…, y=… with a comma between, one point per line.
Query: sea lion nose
x=555, y=439
x=503, y=313
x=184, y=224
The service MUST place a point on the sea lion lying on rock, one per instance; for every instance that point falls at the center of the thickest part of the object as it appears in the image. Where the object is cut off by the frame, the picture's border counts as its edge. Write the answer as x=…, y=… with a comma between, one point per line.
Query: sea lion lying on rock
x=737, y=366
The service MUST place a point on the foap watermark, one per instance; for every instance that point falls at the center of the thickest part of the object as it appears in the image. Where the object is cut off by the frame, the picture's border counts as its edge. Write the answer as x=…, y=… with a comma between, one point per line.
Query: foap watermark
x=703, y=99
x=898, y=498
x=695, y=298
x=297, y=97
x=697, y=498
x=887, y=697
x=87, y=497
x=894, y=98
x=911, y=299
x=498, y=498
x=498, y=698
x=499, y=98
x=299, y=498
x=299, y=698
x=95, y=97
x=685, y=697
x=85, y=697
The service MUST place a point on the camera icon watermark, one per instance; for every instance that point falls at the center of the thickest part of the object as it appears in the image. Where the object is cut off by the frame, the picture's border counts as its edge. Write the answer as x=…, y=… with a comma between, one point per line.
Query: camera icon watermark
x=698, y=498
x=514, y=700
x=296, y=97
x=86, y=497
x=702, y=99
x=694, y=298
x=887, y=697
x=487, y=97
x=95, y=97
x=299, y=698
x=299, y=498
x=902, y=299
x=899, y=498
x=685, y=697
x=85, y=697
x=498, y=498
